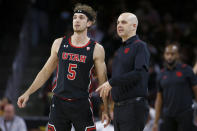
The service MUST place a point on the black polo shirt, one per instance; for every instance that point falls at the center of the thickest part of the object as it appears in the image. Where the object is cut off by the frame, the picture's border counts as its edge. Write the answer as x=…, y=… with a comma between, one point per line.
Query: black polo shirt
x=130, y=70
x=176, y=88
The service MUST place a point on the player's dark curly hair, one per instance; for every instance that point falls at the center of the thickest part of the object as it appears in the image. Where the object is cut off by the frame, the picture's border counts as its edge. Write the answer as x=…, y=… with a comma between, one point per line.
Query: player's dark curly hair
x=87, y=9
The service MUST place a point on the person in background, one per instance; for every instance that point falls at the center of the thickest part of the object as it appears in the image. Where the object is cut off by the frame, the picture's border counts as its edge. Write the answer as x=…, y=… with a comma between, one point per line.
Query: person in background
x=4, y=101
x=10, y=121
x=177, y=85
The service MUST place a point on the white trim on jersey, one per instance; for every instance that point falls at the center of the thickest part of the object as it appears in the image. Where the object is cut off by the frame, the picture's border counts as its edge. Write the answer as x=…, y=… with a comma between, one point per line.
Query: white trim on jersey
x=52, y=126
x=57, y=74
x=90, y=73
x=89, y=127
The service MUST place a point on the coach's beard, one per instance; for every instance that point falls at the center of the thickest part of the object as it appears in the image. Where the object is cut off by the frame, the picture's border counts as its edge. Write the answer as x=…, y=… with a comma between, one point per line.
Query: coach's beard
x=171, y=64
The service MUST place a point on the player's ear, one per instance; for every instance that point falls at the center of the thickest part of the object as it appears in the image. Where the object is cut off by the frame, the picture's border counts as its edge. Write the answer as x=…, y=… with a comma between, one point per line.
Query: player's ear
x=89, y=23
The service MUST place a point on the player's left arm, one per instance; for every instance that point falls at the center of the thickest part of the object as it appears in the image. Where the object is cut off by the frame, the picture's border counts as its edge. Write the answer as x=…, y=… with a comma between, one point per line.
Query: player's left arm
x=100, y=67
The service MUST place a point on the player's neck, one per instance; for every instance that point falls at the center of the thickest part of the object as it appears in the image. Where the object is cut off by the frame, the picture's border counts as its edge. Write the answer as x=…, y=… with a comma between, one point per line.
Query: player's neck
x=79, y=38
x=125, y=38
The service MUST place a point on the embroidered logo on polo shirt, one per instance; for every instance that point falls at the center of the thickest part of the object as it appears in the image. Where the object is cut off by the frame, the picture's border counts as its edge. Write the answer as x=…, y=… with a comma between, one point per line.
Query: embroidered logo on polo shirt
x=126, y=50
x=179, y=74
x=164, y=77
x=184, y=65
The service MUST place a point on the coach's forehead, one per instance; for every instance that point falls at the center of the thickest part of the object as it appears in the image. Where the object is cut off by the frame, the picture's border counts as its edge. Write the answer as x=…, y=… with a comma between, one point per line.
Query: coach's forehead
x=128, y=17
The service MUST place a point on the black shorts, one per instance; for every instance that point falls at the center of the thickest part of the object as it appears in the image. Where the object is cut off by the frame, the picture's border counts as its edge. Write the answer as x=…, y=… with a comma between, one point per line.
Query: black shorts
x=65, y=113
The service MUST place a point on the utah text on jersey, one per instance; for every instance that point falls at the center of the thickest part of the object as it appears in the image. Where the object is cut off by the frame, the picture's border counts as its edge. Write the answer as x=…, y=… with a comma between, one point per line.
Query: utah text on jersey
x=74, y=57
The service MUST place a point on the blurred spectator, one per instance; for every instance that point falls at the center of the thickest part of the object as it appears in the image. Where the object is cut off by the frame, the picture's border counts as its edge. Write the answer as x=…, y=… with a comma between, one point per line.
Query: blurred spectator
x=11, y=122
x=3, y=103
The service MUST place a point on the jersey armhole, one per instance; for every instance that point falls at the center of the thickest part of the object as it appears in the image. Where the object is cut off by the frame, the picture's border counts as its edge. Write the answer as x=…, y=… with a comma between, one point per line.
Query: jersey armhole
x=62, y=42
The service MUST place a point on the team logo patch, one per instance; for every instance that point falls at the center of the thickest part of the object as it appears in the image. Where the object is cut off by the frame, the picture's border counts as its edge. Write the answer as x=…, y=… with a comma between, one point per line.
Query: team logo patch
x=179, y=74
x=164, y=77
x=126, y=50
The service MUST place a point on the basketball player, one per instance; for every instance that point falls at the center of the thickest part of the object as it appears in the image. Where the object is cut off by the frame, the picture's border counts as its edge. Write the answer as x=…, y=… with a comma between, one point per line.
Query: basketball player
x=74, y=56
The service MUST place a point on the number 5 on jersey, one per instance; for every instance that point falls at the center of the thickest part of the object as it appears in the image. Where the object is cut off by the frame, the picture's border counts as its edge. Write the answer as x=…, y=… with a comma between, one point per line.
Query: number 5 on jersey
x=72, y=72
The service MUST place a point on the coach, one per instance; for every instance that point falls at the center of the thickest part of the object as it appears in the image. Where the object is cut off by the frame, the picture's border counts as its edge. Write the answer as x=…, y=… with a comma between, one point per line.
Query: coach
x=129, y=82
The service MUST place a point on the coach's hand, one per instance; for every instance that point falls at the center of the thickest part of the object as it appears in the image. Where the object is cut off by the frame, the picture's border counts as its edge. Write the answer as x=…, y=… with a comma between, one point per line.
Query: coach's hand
x=22, y=100
x=104, y=89
x=105, y=118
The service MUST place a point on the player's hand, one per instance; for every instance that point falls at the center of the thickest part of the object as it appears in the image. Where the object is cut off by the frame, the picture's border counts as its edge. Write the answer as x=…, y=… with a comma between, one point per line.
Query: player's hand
x=22, y=100
x=104, y=89
x=105, y=118
x=155, y=127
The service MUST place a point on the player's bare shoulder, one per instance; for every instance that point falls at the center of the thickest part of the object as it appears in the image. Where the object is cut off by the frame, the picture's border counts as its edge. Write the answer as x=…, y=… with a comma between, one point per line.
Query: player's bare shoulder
x=98, y=51
x=56, y=44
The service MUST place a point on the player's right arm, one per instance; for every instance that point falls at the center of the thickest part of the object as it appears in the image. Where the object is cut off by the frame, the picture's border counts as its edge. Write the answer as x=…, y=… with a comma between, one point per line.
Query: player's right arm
x=158, y=108
x=43, y=75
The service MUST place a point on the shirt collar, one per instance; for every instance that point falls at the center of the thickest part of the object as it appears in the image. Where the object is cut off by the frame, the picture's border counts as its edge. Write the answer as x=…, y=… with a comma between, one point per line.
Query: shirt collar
x=131, y=39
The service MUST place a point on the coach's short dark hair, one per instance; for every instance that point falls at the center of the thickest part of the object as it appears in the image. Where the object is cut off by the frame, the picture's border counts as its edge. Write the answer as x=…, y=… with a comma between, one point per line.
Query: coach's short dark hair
x=87, y=9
